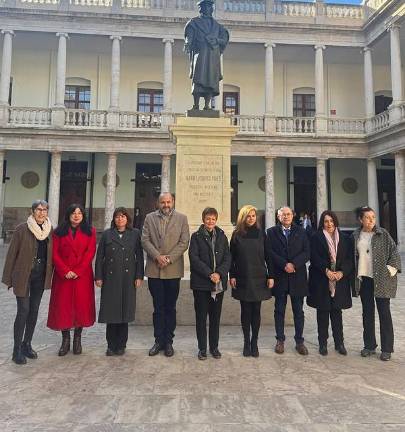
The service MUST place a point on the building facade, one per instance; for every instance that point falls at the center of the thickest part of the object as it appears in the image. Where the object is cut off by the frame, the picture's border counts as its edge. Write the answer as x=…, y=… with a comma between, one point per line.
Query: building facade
x=89, y=89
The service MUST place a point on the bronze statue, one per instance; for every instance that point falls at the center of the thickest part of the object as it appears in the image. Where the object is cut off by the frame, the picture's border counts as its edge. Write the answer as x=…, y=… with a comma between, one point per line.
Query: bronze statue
x=205, y=41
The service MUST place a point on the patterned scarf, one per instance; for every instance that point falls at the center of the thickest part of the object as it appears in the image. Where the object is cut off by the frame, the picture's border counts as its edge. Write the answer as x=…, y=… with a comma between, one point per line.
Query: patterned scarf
x=333, y=243
x=40, y=234
x=218, y=286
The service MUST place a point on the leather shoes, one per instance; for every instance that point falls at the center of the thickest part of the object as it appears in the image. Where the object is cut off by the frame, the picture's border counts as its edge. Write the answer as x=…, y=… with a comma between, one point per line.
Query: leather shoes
x=365, y=352
x=109, y=352
x=169, y=351
x=155, y=349
x=385, y=356
x=27, y=350
x=323, y=350
x=18, y=356
x=247, y=352
x=301, y=349
x=215, y=353
x=202, y=355
x=279, y=348
x=120, y=352
x=341, y=349
x=254, y=348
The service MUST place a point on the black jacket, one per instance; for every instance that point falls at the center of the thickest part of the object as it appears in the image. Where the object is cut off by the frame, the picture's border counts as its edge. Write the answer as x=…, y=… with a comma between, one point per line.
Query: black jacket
x=297, y=252
x=319, y=296
x=202, y=260
x=249, y=267
x=119, y=262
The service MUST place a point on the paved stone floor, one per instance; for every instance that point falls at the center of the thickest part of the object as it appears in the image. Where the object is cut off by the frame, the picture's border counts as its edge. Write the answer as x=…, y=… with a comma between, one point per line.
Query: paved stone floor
x=95, y=393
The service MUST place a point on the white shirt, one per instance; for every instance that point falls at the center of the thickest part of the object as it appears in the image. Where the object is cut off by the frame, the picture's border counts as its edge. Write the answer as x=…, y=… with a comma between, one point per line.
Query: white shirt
x=365, y=263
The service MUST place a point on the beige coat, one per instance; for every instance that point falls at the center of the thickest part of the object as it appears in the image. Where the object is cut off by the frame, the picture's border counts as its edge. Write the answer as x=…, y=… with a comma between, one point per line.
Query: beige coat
x=174, y=244
x=20, y=259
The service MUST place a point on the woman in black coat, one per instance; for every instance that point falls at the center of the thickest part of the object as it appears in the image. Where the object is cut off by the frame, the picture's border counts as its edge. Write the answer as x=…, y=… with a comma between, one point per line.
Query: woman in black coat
x=119, y=271
x=250, y=277
x=329, y=280
x=210, y=260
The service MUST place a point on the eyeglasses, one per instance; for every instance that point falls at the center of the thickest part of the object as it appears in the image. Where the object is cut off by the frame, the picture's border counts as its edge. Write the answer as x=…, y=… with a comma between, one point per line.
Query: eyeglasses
x=41, y=210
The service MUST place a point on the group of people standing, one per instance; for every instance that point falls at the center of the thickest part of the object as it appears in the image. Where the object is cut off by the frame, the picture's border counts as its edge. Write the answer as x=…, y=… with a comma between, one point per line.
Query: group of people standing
x=260, y=265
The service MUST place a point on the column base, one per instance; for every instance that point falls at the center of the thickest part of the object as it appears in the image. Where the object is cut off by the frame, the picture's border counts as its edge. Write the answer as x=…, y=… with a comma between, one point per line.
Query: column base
x=113, y=119
x=321, y=125
x=58, y=116
x=269, y=124
x=167, y=120
x=4, y=115
x=395, y=113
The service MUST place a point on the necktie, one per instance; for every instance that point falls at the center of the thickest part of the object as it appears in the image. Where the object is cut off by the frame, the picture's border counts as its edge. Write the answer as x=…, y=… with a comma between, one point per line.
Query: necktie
x=286, y=233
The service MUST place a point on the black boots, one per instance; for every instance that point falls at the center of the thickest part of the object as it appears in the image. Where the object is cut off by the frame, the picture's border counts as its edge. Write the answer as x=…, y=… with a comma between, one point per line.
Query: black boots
x=77, y=341
x=254, y=348
x=27, y=350
x=18, y=356
x=247, y=352
x=65, y=347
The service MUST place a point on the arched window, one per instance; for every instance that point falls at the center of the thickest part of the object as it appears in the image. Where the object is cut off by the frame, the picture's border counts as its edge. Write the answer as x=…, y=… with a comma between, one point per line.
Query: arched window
x=77, y=93
x=382, y=99
x=150, y=97
x=304, y=102
x=230, y=102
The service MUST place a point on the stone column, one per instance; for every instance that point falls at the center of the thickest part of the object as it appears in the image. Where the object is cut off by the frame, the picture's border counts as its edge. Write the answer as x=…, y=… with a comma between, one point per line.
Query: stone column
x=321, y=187
x=167, y=116
x=372, y=187
x=5, y=75
x=54, y=187
x=110, y=188
x=2, y=154
x=269, y=118
x=396, y=73
x=6, y=66
x=165, y=178
x=320, y=113
x=58, y=110
x=269, y=190
x=400, y=198
x=369, y=104
x=113, y=110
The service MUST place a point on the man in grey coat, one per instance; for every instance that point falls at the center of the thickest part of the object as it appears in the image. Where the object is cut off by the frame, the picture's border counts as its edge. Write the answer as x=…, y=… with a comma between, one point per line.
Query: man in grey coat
x=165, y=238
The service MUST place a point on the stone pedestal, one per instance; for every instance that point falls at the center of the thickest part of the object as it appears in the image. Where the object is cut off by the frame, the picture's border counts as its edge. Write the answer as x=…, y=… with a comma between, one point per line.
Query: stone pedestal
x=203, y=164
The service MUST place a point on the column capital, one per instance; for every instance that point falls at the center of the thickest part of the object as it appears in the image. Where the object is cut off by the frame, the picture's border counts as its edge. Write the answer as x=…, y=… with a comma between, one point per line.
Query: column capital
x=65, y=35
x=166, y=155
x=10, y=32
x=367, y=49
x=269, y=45
x=55, y=152
x=393, y=26
x=269, y=157
x=168, y=40
x=111, y=153
x=319, y=47
x=115, y=37
x=322, y=158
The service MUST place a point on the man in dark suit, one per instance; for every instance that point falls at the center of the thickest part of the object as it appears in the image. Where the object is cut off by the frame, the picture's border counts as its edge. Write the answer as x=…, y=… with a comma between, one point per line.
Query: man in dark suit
x=287, y=247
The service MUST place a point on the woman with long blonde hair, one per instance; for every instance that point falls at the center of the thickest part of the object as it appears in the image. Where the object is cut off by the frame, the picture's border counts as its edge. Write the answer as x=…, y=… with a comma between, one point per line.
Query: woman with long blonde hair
x=250, y=275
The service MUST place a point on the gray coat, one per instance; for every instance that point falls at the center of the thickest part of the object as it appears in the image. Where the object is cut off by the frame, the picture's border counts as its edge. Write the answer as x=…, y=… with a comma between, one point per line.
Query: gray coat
x=384, y=251
x=174, y=243
x=119, y=262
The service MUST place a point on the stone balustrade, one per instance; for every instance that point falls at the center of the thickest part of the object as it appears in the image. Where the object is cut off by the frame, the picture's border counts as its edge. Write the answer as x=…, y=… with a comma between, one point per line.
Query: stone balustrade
x=135, y=120
x=258, y=10
x=85, y=118
x=341, y=126
x=249, y=123
x=295, y=125
x=380, y=121
x=26, y=116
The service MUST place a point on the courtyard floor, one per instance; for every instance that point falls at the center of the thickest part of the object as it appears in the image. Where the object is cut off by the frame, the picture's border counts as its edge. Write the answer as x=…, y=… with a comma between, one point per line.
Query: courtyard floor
x=286, y=393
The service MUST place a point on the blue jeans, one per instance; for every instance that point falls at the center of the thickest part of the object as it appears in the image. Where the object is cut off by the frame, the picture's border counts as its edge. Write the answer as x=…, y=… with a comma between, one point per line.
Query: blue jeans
x=164, y=293
x=279, y=315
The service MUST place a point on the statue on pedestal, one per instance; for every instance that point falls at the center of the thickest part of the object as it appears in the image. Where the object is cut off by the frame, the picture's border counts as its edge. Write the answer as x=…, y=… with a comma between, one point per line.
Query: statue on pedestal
x=205, y=41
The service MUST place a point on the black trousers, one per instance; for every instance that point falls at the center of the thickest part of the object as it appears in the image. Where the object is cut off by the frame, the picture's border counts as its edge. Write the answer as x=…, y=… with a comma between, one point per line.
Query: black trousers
x=384, y=314
x=117, y=336
x=28, y=307
x=205, y=305
x=164, y=293
x=322, y=318
x=250, y=319
x=297, y=304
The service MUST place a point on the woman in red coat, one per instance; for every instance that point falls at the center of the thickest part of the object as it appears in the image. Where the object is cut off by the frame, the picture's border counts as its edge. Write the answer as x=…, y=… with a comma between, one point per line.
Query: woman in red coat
x=72, y=303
